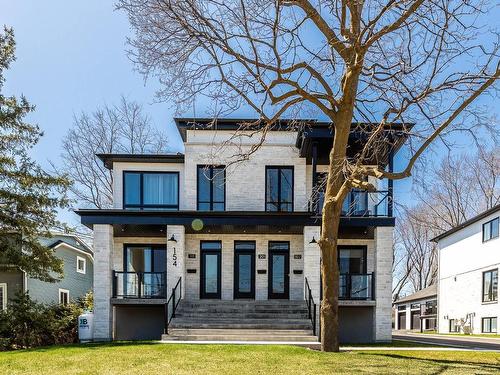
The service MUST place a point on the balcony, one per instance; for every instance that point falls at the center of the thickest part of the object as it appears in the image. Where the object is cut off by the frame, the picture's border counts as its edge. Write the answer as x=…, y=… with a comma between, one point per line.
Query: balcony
x=139, y=284
x=357, y=286
x=358, y=204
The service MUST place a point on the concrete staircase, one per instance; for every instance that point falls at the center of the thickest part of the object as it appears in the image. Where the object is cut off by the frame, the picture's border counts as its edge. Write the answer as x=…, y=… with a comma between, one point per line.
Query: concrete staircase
x=241, y=320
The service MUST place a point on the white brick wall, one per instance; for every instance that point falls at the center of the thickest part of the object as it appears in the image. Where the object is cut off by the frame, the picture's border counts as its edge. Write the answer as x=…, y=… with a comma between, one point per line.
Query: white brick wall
x=383, y=283
x=175, y=267
x=103, y=245
x=261, y=280
x=463, y=257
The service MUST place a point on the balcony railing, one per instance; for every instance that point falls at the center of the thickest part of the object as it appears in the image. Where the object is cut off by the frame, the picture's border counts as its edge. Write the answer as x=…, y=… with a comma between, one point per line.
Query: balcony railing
x=357, y=286
x=358, y=203
x=139, y=284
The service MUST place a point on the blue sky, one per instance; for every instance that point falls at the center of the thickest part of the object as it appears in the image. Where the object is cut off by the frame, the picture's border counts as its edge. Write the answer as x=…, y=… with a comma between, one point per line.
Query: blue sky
x=71, y=58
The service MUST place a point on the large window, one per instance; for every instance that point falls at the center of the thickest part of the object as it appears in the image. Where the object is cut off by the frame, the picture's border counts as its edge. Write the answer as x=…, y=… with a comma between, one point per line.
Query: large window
x=352, y=259
x=145, y=258
x=490, y=286
x=151, y=190
x=211, y=188
x=490, y=229
x=279, y=189
x=489, y=325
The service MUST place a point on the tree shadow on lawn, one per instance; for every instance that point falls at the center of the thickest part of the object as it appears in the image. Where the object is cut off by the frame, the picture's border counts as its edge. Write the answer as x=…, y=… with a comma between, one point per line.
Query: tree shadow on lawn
x=445, y=364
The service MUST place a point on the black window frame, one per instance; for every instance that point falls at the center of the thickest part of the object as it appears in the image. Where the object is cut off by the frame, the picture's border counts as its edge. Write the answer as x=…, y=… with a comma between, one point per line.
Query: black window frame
x=494, y=298
x=364, y=248
x=211, y=180
x=452, y=324
x=490, y=223
x=490, y=318
x=141, y=205
x=153, y=246
x=279, y=203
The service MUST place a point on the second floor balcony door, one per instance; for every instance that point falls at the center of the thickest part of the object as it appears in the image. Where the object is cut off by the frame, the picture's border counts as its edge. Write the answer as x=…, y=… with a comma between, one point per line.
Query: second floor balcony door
x=145, y=267
x=279, y=188
x=211, y=190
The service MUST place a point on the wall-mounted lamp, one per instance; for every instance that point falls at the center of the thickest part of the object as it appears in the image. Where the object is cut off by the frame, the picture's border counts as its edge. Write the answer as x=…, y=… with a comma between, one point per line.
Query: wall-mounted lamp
x=172, y=239
x=313, y=240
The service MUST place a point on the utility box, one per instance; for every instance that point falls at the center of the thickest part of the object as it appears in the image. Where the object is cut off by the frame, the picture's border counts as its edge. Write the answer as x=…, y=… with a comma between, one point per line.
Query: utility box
x=86, y=327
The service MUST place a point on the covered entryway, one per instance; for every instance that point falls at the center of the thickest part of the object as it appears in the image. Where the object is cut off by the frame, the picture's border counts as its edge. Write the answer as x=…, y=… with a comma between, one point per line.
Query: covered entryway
x=415, y=320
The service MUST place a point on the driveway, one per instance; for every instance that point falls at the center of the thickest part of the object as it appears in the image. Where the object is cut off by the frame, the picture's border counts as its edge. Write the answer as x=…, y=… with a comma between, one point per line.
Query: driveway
x=468, y=342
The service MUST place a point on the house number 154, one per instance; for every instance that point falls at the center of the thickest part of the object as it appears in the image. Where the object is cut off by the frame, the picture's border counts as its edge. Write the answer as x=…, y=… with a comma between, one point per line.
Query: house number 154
x=174, y=258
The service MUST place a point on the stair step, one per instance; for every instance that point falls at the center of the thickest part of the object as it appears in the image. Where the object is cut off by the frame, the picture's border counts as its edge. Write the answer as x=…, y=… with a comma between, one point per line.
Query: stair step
x=240, y=315
x=276, y=338
x=241, y=325
x=241, y=332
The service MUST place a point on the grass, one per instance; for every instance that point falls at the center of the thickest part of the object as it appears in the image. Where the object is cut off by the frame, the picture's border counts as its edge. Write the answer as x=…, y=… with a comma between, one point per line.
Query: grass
x=150, y=358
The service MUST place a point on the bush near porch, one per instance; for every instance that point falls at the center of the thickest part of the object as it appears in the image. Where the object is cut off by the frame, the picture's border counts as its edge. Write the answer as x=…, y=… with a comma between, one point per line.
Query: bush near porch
x=149, y=358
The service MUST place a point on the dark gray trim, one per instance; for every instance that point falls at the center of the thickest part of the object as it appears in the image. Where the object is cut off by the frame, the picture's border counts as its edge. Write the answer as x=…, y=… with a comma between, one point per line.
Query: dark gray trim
x=109, y=159
x=467, y=223
x=89, y=217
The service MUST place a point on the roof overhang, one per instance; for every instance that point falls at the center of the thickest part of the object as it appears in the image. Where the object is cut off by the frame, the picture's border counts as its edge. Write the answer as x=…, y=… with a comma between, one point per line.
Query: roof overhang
x=109, y=159
x=152, y=222
x=481, y=216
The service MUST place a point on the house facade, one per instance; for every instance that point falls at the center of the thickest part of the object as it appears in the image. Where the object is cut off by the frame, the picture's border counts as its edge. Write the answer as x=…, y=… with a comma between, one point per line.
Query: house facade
x=469, y=260
x=417, y=311
x=78, y=271
x=236, y=238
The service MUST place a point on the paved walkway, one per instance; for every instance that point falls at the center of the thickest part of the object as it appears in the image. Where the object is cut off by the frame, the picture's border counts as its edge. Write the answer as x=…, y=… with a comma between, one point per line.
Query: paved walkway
x=464, y=342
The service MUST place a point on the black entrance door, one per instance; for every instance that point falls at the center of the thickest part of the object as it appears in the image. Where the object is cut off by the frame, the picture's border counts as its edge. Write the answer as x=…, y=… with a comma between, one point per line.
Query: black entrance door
x=244, y=269
x=279, y=269
x=210, y=274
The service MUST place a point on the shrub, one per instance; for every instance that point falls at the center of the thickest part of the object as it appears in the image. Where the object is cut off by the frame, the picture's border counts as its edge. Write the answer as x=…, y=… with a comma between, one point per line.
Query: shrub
x=27, y=324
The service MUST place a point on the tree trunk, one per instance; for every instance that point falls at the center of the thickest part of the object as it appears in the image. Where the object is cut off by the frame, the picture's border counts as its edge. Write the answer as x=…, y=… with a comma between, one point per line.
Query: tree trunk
x=332, y=209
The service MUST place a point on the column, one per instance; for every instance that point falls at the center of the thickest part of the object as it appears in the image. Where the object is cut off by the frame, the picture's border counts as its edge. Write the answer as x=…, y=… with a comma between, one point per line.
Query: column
x=383, y=283
x=175, y=257
x=103, y=282
x=312, y=261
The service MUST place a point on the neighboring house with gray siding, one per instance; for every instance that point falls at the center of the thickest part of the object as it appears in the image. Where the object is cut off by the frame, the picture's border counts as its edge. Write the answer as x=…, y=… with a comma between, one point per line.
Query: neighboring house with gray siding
x=237, y=243
x=78, y=262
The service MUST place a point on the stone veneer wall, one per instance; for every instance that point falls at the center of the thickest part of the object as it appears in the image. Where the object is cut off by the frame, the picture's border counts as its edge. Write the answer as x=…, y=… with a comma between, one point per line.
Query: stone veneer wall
x=383, y=283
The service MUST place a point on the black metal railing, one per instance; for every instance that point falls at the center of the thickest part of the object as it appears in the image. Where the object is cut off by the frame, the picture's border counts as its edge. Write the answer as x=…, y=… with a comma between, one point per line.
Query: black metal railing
x=358, y=203
x=357, y=286
x=172, y=303
x=311, y=306
x=139, y=284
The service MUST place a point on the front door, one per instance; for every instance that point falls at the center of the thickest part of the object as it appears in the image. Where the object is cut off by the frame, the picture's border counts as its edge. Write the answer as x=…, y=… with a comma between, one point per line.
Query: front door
x=244, y=269
x=210, y=275
x=279, y=268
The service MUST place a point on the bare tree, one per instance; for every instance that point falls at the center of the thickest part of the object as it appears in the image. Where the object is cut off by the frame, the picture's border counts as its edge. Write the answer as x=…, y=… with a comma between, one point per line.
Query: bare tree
x=122, y=128
x=374, y=63
x=445, y=196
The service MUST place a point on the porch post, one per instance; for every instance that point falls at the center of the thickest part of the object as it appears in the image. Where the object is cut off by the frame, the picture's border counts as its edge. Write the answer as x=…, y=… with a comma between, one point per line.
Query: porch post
x=103, y=281
x=175, y=257
x=383, y=283
x=312, y=260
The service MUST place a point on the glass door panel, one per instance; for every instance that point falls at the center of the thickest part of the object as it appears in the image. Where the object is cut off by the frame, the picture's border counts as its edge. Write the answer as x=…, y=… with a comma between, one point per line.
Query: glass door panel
x=244, y=269
x=279, y=259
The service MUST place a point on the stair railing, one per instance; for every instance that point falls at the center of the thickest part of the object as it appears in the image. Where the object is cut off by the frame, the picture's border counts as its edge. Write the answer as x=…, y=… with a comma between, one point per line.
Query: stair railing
x=311, y=306
x=172, y=303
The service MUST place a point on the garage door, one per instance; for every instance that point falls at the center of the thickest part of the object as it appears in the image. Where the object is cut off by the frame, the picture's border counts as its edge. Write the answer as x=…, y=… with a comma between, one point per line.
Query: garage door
x=402, y=320
x=415, y=320
x=139, y=322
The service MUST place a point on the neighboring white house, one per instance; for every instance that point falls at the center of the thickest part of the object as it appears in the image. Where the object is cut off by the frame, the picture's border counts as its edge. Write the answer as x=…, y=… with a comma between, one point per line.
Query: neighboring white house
x=417, y=311
x=236, y=243
x=469, y=259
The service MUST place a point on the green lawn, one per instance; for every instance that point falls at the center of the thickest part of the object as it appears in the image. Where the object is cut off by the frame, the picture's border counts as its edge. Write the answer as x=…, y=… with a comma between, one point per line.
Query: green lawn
x=150, y=358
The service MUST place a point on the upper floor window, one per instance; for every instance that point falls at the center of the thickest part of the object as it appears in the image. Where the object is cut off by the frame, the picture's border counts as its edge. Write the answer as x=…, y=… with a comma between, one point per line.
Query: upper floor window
x=151, y=190
x=81, y=265
x=211, y=188
x=490, y=229
x=279, y=189
x=490, y=286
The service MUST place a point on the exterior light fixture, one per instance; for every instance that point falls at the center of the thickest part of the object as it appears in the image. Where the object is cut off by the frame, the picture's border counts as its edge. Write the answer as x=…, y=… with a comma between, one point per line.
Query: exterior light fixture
x=313, y=240
x=172, y=239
